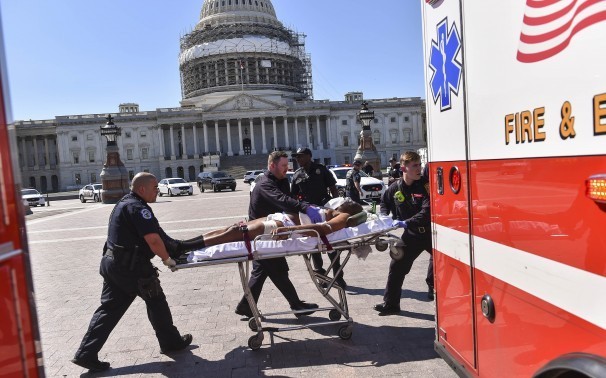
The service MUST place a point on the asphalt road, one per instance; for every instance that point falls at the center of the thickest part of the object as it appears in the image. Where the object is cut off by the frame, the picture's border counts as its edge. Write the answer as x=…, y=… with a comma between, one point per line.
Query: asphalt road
x=65, y=243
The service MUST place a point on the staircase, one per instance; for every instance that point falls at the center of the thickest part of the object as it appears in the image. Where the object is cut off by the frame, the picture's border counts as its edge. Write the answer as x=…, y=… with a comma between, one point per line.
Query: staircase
x=237, y=166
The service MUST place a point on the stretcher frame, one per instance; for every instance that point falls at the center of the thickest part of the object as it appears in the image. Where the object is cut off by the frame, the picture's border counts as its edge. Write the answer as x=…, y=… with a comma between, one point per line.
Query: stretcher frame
x=338, y=313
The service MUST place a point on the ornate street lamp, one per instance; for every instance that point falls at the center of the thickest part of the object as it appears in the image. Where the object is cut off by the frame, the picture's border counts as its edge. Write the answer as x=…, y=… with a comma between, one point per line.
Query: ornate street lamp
x=114, y=177
x=366, y=147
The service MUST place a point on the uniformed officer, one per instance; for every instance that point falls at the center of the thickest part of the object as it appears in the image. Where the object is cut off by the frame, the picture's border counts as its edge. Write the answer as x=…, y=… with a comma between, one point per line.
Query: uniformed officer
x=272, y=195
x=394, y=172
x=407, y=200
x=311, y=182
x=352, y=182
x=134, y=237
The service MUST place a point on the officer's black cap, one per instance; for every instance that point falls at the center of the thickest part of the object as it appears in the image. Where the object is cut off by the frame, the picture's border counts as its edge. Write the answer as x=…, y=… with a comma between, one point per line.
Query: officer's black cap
x=357, y=162
x=302, y=151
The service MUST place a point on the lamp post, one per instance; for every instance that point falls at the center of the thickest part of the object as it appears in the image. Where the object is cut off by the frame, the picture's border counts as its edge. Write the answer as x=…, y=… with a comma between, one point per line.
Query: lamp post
x=366, y=147
x=114, y=178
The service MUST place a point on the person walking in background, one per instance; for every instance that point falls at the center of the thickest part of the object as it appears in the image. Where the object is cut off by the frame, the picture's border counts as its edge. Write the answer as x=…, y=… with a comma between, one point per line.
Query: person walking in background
x=407, y=199
x=134, y=237
x=352, y=183
x=272, y=195
x=394, y=172
x=368, y=169
x=312, y=183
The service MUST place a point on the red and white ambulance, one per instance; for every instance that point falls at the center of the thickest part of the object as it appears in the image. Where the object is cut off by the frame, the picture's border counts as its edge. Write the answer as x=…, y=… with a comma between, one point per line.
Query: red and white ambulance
x=516, y=113
x=20, y=349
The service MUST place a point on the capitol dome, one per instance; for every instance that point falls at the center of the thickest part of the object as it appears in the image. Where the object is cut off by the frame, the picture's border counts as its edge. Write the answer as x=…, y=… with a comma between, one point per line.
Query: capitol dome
x=240, y=45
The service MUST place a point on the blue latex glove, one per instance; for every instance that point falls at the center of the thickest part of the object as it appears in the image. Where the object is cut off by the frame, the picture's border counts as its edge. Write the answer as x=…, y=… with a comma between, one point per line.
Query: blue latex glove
x=314, y=214
x=399, y=223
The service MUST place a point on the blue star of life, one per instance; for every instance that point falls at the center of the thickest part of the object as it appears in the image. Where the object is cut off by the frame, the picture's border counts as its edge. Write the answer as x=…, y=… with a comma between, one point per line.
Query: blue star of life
x=446, y=69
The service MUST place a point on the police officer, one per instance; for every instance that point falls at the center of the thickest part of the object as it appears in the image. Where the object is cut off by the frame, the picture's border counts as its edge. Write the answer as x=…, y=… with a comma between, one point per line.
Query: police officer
x=407, y=199
x=272, y=195
x=352, y=182
x=394, y=172
x=311, y=183
x=134, y=237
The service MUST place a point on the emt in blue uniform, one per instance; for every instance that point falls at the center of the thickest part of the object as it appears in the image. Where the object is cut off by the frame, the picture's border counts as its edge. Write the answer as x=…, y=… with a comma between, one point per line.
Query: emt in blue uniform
x=407, y=199
x=311, y=183
x=134, y=237
x=272, y=195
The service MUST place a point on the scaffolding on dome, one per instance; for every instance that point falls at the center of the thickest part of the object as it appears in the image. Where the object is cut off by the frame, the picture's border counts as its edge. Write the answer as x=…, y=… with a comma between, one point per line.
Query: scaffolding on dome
x=244, y=56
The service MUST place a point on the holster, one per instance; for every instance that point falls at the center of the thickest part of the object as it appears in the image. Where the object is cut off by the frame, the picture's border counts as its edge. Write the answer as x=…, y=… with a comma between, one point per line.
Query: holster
x=149, y=287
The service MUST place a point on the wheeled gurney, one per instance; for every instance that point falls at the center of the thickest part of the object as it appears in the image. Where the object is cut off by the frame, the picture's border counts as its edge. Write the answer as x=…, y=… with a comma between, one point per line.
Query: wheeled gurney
x=348, y=240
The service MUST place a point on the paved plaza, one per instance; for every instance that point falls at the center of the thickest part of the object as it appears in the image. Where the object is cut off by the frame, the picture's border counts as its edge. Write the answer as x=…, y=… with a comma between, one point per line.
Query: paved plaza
x=66, y=239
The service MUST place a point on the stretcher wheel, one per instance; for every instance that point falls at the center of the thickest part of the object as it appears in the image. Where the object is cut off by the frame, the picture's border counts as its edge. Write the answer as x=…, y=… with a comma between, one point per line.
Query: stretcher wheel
x=344, y=333
x=381, y=245
x=254, y=342
x=334, y=315
x=252, y=324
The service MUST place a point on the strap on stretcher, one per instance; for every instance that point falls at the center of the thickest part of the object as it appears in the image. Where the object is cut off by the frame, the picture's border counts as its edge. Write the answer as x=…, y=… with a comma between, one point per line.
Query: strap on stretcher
x=246, y=238
x=326, y=243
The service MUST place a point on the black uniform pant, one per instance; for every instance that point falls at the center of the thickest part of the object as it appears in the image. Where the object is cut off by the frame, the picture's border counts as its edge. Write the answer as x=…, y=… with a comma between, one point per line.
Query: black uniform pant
x=316, y=258
x=398, y=269
x=277, y=271
x=119, y=291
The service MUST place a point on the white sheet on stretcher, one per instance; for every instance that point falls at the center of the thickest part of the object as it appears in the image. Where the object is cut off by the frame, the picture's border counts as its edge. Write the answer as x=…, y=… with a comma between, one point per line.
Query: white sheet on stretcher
x=301, y=244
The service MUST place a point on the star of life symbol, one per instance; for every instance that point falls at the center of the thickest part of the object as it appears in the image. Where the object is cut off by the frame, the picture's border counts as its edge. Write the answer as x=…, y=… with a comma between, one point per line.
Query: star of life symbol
x=443, y=62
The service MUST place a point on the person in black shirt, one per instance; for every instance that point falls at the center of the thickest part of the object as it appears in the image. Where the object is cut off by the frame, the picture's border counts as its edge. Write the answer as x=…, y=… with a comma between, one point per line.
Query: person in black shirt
x=368, y=169
x=394, y=172
x=407, y=199
x=272, y=195
x=311, y=183
x=134, y=237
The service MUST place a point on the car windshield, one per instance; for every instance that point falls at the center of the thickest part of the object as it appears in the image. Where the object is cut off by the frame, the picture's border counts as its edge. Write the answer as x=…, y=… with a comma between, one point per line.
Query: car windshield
x=97, y=186
x=177, y=181
x=26, y=192
x=342, y=173
x=219, y=174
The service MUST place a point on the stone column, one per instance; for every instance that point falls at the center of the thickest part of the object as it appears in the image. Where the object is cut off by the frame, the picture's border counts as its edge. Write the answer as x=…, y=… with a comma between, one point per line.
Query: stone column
x=162, y=146
x=46, y=154
x=24, y=160
x=286, y=132
x=400, y=130
x=228, y=126
x=217, y=146
x=307, y=130
x=172, y=144
x=319, y=132
x=195, y=132
x=36, y=157
x=297, y=132
x=183, y=143
x=275, y=133
x=263, y=135
x=241, y=152
x=329, y=141
x=253, y=150
x=205, y=131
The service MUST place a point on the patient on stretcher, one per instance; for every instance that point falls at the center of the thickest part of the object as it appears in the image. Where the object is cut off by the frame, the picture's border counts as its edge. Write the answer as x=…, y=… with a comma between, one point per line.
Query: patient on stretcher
x=337, y=214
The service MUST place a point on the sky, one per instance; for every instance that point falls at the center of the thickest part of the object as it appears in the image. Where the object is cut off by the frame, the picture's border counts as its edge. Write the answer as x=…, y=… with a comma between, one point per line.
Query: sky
x=69, y=57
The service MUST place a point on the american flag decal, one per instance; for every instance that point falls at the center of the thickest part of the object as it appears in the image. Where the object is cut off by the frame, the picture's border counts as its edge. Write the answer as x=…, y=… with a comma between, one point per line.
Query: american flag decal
x=549, y=25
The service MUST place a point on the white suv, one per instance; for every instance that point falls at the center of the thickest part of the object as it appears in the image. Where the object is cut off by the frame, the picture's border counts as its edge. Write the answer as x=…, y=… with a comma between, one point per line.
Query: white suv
x=250, y=176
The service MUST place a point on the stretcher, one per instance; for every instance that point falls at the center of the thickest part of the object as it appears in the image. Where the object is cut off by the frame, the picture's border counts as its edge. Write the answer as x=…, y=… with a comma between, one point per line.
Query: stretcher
x=351, y=240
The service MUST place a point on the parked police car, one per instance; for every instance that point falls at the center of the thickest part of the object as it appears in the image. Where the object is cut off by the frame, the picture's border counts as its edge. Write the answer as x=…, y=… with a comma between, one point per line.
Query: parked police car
x=90, y=192
x=33, y=197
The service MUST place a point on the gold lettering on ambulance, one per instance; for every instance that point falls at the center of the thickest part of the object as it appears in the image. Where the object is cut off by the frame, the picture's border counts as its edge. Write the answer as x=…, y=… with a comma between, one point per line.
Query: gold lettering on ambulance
x=509, y=119
x=526, y=126
x=567, y=124
x=539, y=122
x=599, y=114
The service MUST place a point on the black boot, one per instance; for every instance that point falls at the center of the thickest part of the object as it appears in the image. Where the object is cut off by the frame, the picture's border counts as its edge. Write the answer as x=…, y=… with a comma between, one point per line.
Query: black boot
x=192, y=244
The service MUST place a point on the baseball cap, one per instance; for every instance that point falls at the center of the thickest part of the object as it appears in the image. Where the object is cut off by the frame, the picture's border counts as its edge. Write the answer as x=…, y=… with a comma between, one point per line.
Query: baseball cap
x=357, y=162
x=392, y=159
x=302, y=150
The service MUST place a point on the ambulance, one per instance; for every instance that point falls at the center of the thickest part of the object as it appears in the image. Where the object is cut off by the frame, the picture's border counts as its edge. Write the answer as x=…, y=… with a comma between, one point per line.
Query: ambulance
x=516, y=114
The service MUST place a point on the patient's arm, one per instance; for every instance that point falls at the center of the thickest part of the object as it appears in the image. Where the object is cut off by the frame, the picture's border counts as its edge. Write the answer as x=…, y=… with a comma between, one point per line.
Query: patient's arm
x=233, y=233
x=335, y=224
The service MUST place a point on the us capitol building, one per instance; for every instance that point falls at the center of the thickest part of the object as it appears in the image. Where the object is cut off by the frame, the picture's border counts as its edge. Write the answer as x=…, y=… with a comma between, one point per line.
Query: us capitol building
x=247, y=90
